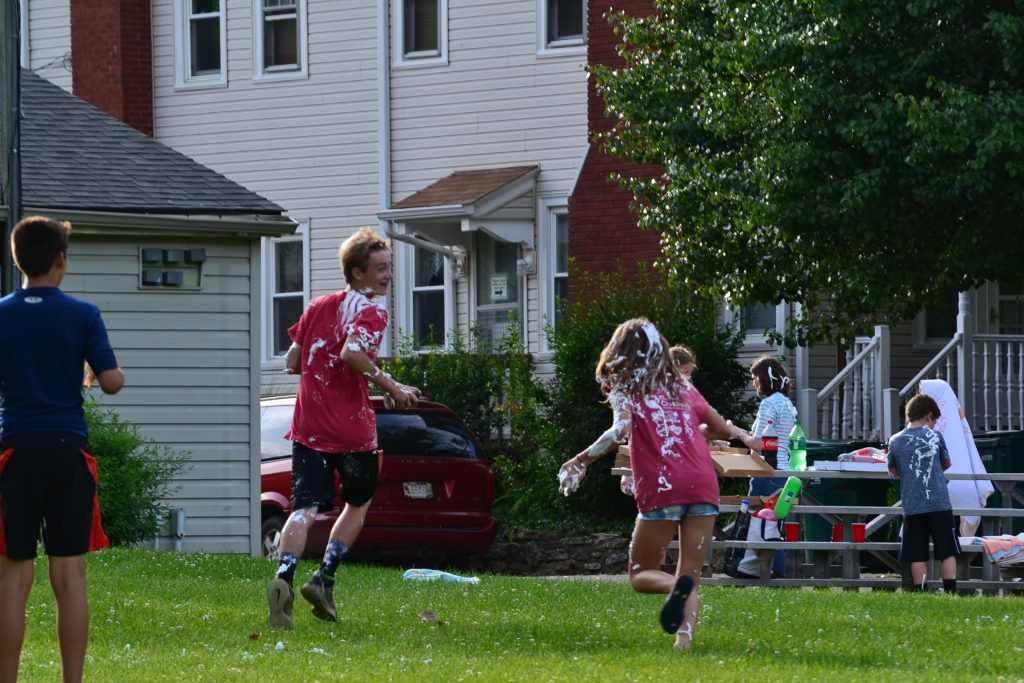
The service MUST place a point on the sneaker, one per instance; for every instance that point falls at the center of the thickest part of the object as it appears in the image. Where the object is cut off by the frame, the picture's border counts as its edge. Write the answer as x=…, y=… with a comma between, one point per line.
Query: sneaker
x=321, y=597
x=281, y=598
x=671, y=616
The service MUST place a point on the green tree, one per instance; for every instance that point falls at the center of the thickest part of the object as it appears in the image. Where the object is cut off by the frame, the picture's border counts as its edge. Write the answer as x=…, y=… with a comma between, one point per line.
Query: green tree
x=863, y=158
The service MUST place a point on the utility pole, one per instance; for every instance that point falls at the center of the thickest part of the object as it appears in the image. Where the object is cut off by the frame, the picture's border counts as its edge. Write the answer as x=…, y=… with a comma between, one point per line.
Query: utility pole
x=10, y=139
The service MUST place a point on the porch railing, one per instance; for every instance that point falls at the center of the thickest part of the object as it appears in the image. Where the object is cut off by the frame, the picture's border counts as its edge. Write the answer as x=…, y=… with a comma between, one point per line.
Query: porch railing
x=851, y=405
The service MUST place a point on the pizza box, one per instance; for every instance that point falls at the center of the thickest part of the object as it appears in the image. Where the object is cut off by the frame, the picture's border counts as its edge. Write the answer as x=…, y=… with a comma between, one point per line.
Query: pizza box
x=729, y=462
x=735, y=462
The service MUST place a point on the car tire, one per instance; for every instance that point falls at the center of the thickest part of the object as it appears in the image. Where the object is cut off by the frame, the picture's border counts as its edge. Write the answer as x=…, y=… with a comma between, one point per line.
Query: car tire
x=270, y=536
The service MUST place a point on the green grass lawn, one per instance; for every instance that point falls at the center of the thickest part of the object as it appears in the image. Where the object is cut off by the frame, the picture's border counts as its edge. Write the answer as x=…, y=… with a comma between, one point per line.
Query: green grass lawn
x=186, y=617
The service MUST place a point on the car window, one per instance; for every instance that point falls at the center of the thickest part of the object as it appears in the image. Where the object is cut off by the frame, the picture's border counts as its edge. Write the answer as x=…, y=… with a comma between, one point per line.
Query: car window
x=424, y=434
x=274, y=422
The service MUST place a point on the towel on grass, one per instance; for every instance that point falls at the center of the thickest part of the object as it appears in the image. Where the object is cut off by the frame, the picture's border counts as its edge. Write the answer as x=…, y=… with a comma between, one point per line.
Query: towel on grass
x=962, y=451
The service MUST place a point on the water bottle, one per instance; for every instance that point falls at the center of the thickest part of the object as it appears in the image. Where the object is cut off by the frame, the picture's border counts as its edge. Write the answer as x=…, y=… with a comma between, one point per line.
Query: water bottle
x=744, y=506
x=786, y=498
x=797, y=448
x=770, y=445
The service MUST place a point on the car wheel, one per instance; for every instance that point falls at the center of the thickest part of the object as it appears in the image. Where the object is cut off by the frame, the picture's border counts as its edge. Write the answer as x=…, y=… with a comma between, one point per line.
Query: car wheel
x=271, y=535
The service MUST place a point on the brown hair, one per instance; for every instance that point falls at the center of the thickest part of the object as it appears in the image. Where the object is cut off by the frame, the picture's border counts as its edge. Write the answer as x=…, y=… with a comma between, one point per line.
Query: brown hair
x=636, y=359
x=355, y=252
x=36, y=242
x=772, y=375
x=680, y=355
x=920, y=407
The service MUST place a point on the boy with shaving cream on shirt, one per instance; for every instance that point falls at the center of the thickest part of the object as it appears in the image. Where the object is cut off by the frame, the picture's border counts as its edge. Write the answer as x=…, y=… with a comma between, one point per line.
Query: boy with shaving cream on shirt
x=334, y=427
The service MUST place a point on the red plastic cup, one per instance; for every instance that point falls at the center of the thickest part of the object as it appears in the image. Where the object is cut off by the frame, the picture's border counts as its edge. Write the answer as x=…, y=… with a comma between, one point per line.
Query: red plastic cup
x=859, y=531
x=837, y=532
x=792, y=532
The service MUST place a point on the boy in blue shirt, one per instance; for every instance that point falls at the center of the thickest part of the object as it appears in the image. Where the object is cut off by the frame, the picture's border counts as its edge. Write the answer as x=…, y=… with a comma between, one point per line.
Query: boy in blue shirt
x=47, y=477
x=918, y=457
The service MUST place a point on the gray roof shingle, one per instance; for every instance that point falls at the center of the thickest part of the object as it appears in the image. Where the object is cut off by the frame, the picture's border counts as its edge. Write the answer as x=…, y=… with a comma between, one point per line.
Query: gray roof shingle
x=75, y=156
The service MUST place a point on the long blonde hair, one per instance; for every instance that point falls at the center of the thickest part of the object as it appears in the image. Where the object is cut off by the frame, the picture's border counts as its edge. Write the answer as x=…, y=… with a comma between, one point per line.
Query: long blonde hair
x=636, y=359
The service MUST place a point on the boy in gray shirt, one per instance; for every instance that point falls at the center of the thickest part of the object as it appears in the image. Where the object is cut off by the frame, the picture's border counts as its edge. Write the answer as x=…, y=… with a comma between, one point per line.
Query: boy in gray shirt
x=918, y=457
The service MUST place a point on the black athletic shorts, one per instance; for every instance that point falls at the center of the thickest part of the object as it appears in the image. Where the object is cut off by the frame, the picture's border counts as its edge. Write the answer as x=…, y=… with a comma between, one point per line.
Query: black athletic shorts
x=940, y=526
x=313, y=482
x=48, y=486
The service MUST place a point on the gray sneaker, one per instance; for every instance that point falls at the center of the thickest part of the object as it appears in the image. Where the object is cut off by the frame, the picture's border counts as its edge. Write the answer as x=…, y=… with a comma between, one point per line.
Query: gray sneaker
x=321, y=597
x=281, y=598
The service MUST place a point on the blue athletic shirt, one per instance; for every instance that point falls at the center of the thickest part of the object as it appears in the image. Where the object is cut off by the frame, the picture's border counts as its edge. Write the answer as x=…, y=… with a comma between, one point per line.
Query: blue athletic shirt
x=45, y=336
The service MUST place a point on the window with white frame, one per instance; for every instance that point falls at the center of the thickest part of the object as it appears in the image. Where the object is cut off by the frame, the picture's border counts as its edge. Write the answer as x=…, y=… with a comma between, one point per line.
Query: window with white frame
x=1011, y=309
x=23, y=28
x=279, y=36
x=200, y=42
x=421, y=32
x=758, y=319
x=428, y=305
x=560, y=276
x=562, y=24
x=935, y=326
x=286, y=288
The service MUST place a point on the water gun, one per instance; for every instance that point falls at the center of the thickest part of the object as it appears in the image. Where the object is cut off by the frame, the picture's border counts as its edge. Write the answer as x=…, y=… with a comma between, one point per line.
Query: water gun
x=786, y=497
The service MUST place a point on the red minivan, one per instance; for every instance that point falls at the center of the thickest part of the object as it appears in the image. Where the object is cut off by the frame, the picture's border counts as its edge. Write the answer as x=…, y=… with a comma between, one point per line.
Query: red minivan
x=435, y=493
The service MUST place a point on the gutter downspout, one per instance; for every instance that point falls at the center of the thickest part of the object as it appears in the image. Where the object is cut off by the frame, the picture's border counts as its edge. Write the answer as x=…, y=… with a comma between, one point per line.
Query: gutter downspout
x=383, y=110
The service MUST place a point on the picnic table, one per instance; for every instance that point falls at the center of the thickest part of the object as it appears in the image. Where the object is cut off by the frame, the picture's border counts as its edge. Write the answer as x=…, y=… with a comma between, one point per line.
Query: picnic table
x=733, y=463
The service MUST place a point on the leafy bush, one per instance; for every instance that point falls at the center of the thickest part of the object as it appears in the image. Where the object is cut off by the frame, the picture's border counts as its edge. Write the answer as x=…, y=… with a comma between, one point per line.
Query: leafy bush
x=577, y=413
x=530, y=427
x=135, y=476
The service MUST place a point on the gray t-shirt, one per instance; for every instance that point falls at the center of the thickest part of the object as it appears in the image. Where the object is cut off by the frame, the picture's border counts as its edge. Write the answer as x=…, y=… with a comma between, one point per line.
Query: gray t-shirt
x=919, y=453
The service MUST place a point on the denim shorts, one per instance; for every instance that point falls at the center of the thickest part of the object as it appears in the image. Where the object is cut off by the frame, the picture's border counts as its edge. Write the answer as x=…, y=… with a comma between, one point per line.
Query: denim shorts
x=674, y=513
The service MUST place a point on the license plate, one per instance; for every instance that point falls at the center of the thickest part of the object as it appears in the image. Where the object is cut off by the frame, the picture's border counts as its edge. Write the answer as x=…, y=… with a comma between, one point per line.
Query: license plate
x=417, y=489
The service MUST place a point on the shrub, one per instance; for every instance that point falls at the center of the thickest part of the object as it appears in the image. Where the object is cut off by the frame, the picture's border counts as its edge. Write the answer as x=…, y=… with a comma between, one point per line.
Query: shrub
x=135, y=476
x=577, y=404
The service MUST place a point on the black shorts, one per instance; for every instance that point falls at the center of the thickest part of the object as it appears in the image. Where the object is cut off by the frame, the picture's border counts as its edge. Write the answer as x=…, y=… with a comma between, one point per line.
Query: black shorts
x=939, y=526
x=313, y=482
x=48, y=485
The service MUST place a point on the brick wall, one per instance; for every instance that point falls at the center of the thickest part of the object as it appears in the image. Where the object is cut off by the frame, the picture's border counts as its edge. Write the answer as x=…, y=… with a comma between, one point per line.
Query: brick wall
x=112, y=58
x=602, y=228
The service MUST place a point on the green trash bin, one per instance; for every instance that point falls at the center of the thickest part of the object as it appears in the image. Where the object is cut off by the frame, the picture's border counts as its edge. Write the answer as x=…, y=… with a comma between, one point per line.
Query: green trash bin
x=840, y=491
x=1003, y=452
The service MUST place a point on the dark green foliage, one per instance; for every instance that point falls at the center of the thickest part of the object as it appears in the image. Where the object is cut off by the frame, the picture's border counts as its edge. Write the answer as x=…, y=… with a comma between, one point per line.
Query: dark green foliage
x=862, y=158
x=576, y=400
x=135, y=476
x=490, y=385
x=530, y=427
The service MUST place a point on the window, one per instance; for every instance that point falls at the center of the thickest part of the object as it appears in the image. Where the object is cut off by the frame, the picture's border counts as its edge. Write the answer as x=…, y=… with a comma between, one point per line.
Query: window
x=562, y=26
x=934, y=327
x=428, y=299
x=200, y=43
x=1011, y=309
x=421, y=32
x=23, y=28
x=561, y=271
x=758, y=319
x=285, y=288
x=279, y=34
x=552, y=262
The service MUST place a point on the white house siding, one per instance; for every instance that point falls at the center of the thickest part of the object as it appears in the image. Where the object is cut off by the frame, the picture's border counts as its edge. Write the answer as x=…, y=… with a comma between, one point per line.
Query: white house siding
x=309, y=145
x=49, y=40
x=186, y=356
x=495, y=104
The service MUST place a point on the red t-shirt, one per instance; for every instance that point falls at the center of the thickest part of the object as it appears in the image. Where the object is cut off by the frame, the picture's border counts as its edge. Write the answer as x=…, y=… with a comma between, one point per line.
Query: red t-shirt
x=333, y=413
x=670, y=457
